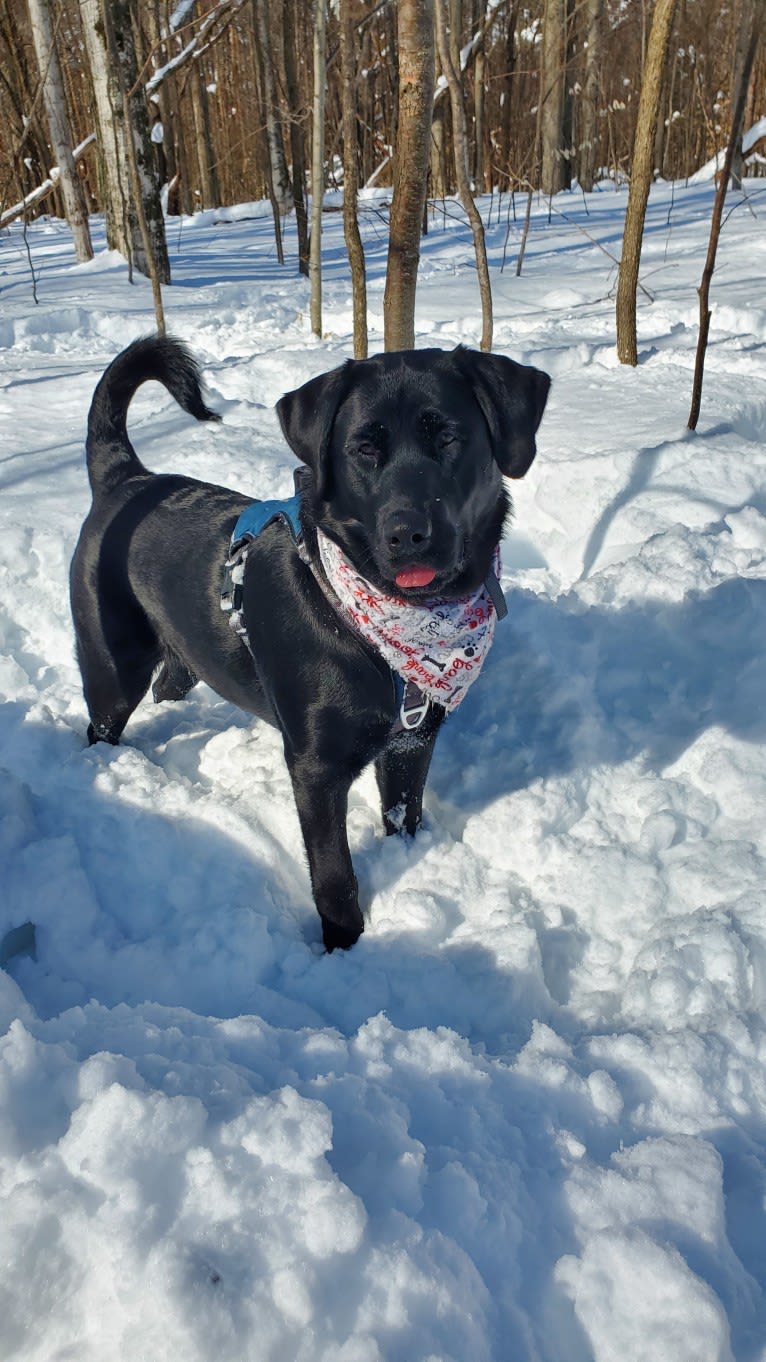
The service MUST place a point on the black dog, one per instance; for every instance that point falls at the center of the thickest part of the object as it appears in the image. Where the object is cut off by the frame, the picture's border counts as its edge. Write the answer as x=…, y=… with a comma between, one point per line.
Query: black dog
x=405, y=458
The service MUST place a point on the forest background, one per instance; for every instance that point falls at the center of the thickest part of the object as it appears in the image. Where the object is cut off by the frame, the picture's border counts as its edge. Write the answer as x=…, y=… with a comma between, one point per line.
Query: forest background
x=549, y=91
x=143, y=110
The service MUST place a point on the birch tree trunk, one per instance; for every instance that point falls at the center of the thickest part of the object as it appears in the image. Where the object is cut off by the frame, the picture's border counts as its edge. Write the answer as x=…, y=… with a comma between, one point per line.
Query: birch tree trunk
x=112, y=59
x=416, y=90
x=317, y=167
x=54, y=99
x=353, y=239
x=641, y=179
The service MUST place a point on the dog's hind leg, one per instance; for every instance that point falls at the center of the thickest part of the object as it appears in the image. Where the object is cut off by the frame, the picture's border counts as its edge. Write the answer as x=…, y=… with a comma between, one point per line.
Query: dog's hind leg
x=174, y=679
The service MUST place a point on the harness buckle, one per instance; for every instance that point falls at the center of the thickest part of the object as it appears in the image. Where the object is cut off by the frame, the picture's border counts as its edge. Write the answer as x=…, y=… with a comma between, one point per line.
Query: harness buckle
x=414, y=707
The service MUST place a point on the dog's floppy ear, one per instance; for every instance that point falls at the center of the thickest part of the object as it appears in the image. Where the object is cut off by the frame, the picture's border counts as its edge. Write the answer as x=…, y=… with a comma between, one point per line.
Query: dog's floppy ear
x=306, y=416
x=512, y=398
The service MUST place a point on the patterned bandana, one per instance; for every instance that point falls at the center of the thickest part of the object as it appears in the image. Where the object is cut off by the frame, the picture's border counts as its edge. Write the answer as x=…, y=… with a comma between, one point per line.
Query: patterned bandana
x=441, y=645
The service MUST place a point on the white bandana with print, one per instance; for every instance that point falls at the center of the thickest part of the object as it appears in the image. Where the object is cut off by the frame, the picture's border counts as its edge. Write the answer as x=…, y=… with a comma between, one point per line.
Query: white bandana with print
x=440, y=645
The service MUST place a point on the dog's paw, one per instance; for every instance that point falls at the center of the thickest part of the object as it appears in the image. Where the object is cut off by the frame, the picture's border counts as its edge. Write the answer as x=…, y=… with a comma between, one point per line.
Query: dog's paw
x=102, y=733
x=339, y=938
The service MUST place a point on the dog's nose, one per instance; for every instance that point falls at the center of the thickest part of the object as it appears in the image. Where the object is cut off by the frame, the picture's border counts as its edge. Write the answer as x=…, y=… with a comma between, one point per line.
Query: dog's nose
x=407, y=530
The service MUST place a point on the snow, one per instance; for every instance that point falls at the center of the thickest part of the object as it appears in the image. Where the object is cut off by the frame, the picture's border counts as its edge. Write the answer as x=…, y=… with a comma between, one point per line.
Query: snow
x=750, y=139
x=524, y=1118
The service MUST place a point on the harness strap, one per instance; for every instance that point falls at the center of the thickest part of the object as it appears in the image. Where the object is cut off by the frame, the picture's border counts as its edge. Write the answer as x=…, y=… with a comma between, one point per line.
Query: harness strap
x=412, y=705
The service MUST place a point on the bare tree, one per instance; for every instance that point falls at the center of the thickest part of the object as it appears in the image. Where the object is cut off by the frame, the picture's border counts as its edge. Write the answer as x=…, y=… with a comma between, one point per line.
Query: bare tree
x=297, y=137
x=201, y=61
x=590, y=95
x=195, y=85
x=351, y=180
x=460, y=141
x=317, y=166
x=479, y=77
x=122, y=114
x=280, y=179
x=552, y=61
x=54, y=100
x=641, y=179
x=749, y=22
x=273, y=162
x=751, y=25
x=437, y=165
x=416, y=88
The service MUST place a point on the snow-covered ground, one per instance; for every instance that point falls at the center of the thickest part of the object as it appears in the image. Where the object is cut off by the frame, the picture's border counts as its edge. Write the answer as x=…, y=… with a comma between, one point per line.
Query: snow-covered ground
x=524, y=1120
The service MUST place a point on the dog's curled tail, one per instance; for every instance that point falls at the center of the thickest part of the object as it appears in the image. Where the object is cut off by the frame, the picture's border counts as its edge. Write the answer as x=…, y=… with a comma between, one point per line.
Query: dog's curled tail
x=111, y=456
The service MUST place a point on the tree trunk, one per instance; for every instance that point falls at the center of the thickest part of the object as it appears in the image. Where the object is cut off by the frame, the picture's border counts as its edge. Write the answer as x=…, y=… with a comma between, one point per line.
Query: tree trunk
x=460, y=139
x=437, y=159
x=478, y=122
x=751, y=23
x=641, y=179
x=112, y=60
x=505, y=180
x=139, y=206
x=590, y=95
x=279, y=176
x=163, y=98
x=297, y=138
x=354, y=247
x=748, y=22
x=317, y=166
x=552, y=96
x=58, y=123
x=568, y=115
x=198, y=98
x=270, y=160
x=416, y=89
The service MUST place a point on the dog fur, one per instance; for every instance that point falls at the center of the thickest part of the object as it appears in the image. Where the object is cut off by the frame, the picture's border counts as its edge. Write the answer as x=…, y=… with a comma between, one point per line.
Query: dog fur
x=406, y=455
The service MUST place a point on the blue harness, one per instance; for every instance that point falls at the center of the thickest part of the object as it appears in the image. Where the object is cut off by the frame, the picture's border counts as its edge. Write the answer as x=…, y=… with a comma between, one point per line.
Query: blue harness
x=259, y=514
x=412, y=705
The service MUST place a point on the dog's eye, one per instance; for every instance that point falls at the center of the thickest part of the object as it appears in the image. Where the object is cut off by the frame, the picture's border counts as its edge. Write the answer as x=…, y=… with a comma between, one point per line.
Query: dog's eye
x=441, y=434
x=367, y=450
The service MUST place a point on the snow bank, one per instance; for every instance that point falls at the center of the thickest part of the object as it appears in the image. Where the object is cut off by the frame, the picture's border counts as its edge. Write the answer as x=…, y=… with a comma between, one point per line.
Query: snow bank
x=710, y=169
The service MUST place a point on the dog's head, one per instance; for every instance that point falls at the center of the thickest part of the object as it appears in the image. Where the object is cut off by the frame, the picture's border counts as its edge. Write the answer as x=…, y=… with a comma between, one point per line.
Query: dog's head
x=408, y=452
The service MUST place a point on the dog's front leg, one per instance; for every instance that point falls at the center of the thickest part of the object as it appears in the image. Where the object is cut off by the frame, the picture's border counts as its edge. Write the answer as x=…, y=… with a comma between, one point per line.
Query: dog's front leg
x=401, y=772
x=322, y=801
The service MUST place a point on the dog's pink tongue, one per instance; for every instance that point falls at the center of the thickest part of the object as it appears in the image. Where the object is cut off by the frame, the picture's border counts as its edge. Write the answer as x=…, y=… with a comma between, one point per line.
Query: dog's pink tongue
x=415, y=576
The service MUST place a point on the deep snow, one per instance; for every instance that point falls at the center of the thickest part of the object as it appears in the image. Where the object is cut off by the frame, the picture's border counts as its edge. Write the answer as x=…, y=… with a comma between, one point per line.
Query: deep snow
x=525, y=1118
